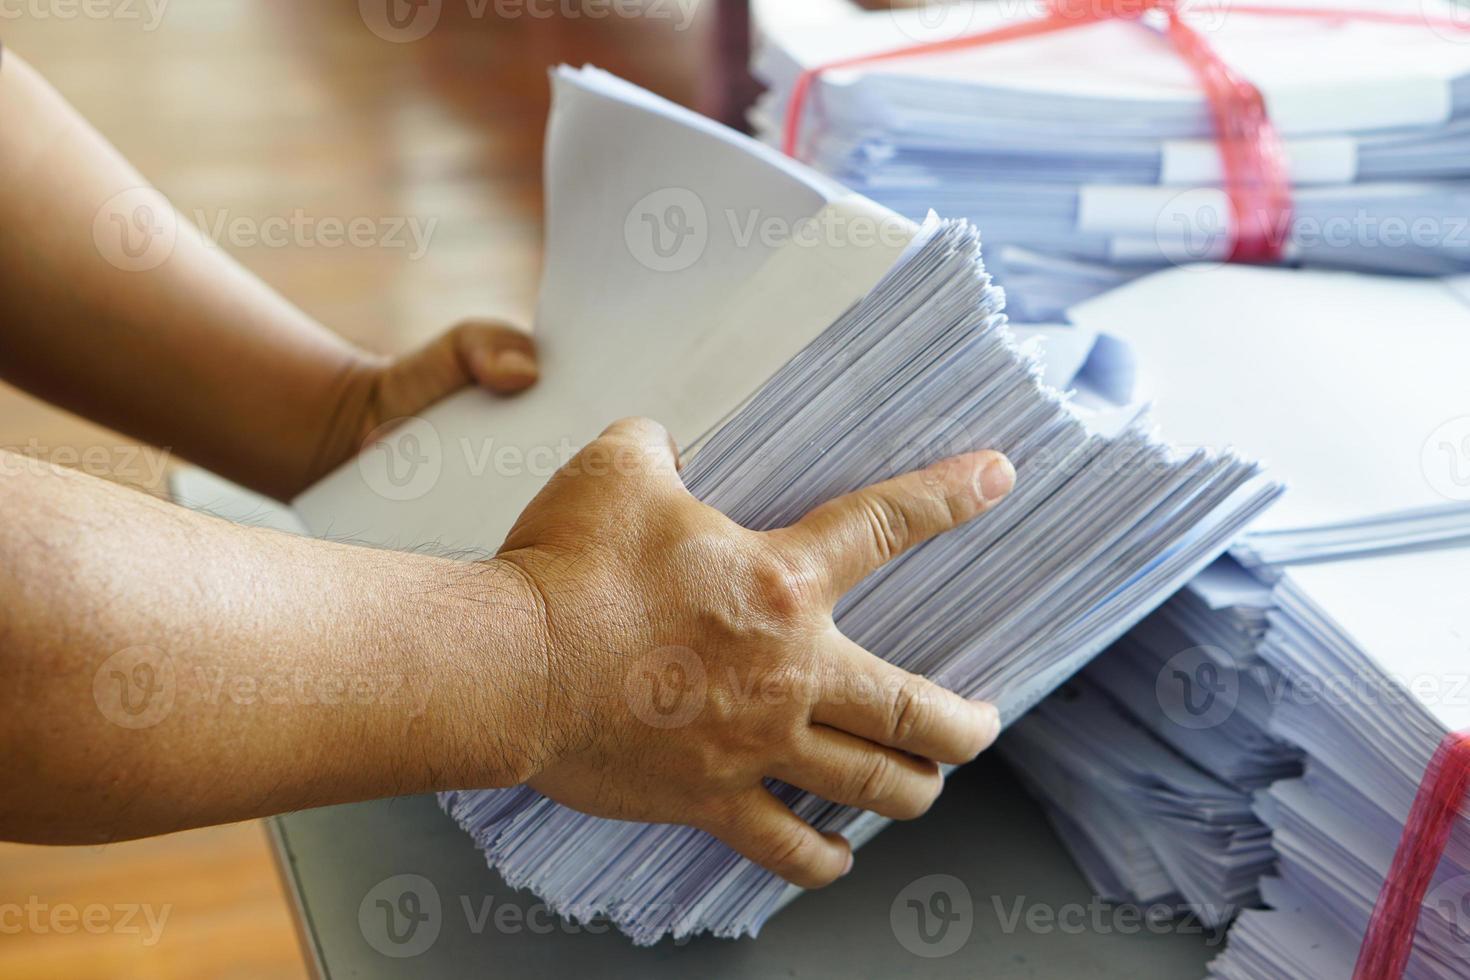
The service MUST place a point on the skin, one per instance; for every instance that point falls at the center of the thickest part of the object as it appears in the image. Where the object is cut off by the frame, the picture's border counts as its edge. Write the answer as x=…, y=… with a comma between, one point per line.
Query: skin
x=168, y=670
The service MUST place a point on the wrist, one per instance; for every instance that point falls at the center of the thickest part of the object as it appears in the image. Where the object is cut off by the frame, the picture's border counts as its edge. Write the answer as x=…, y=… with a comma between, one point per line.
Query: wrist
x=349, y=414
x=480, y=632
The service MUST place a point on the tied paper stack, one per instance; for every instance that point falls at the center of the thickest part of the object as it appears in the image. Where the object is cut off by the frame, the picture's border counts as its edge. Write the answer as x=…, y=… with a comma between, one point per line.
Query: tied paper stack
x=1088, y=155
x=796, y=370
x=1343, y=648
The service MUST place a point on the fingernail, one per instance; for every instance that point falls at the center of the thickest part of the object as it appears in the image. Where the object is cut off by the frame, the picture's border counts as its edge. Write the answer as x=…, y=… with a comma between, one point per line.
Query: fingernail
x=990, y=719
x=997, y=479
x=848, y=867
x=515, y=363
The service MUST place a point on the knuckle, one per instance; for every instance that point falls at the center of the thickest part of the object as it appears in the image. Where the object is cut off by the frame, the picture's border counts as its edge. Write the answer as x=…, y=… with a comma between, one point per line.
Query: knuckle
x=469, y=327
x=888, y=524
x=877, y=782
x=596, y=457
x=785, y=589
x=908, y=710
x=790, y=854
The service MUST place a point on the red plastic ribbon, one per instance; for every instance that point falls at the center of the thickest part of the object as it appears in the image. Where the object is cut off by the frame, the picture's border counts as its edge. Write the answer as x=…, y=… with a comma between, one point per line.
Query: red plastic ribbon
x=1253, y=161
x=1390, y=936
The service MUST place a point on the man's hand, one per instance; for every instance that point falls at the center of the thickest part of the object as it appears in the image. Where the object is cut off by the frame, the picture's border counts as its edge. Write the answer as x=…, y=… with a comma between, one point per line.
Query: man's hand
x=688, y=659
x=237, y=379
x=488, y=353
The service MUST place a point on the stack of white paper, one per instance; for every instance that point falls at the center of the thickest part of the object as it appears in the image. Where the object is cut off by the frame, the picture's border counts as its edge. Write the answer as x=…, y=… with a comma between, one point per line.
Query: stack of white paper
x=799, y=370
x=1093, y=146
x=1108, y=783
x=1376, y=653
x=1350, y=386
x=1147, y=763
x=1357, y=662
x=1365, y=667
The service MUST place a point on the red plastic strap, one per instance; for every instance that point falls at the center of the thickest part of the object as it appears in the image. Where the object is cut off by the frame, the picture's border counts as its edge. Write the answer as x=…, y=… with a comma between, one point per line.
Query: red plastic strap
x=1390, y=936
x=1253, y=162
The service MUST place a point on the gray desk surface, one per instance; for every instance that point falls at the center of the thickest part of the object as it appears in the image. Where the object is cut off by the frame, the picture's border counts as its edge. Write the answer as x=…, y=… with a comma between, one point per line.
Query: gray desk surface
x=349, y=866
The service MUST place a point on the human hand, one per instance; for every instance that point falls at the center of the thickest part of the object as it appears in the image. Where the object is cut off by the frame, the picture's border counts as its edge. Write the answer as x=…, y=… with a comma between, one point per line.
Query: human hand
x=380, y=391
x=636, y=580
x=488, y=353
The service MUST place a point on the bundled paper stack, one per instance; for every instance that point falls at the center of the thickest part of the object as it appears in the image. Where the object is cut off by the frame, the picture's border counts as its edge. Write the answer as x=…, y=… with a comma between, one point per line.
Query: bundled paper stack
x=1088, y=155
x=1345, y=647
x=797, y=369
x=1376, y=653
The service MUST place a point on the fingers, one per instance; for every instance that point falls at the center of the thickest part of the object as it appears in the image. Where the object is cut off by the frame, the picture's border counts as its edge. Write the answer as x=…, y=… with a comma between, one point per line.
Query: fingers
x=762, y=828
x=868, y=697
x=495, y=355
x=851, y=536
x=845, y=769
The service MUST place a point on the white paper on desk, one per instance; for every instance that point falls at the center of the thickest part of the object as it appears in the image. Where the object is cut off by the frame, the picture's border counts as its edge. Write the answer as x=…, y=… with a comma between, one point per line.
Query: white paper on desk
x=1410, y=614
x=605, y=283
x=1335, y=379
x=1360, y=76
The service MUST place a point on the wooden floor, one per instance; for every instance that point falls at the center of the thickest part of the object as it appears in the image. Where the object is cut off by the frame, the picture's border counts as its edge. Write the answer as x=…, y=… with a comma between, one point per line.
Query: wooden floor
x=262, y=109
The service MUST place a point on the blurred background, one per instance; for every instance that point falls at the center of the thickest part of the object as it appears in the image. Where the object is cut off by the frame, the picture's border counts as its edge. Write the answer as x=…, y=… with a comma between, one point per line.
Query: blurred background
x=260, y=114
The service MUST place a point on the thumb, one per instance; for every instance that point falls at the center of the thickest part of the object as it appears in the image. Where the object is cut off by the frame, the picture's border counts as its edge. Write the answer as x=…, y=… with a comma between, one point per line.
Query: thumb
x=851, y=536
x=495, y=356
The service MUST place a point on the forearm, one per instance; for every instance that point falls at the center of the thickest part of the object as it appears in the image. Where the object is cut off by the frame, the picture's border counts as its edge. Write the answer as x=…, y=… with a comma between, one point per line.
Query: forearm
x=167, y=670
x=178, y=346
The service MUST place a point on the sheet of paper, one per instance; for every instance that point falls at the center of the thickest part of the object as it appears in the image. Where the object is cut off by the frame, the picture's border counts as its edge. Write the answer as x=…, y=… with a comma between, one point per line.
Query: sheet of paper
x=635, y=274
x=1337, y=380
